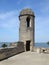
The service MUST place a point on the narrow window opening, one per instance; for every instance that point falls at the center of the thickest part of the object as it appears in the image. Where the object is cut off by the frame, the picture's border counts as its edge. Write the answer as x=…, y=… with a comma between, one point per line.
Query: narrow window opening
x=28, y=21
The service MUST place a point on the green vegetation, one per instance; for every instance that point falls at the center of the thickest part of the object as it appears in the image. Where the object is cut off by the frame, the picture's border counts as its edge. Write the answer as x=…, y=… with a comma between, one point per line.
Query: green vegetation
x=4, y=45
x=48, y=42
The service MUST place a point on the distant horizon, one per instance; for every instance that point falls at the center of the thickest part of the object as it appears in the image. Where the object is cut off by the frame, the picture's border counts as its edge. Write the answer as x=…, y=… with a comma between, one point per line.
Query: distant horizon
x=17, y=41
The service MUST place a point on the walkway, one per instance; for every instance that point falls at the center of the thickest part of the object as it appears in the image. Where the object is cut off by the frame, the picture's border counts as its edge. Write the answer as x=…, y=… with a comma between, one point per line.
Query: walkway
x=27, y=58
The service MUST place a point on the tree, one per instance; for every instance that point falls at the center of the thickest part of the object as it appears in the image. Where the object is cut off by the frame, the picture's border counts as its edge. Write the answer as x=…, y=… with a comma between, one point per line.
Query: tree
x=4, y=45
x=48, y=42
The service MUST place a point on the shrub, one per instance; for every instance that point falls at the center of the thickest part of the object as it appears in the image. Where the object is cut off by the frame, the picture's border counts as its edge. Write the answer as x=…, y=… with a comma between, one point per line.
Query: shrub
x=48, y=42
x=4, y=45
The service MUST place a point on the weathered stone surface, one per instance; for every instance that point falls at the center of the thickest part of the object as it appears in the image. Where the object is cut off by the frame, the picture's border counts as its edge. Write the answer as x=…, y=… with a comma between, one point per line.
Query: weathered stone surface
x=27, y=58
x=7, y=52
x=26, y=33
x=27, y=12
x=41, y=50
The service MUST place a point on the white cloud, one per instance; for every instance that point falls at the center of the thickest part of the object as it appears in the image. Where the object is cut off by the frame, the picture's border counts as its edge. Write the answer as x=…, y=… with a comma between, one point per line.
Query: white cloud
x=9, y=19
x=9, y=26
x=7, y=14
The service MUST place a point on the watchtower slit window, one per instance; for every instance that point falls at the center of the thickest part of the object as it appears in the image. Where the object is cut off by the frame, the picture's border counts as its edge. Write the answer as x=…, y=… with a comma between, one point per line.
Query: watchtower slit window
x=28, y=21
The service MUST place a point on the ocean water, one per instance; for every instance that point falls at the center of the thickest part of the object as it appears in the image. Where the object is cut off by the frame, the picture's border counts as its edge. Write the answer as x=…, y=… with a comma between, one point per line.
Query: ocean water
x=45, y=45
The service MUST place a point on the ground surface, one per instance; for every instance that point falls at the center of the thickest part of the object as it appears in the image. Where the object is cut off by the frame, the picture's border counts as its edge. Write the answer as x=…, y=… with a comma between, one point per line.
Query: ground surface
x=27, y=58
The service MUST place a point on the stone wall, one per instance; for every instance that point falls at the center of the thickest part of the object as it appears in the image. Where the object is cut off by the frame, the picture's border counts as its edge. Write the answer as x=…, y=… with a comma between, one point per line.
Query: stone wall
x=8, y=52
x=41, y=50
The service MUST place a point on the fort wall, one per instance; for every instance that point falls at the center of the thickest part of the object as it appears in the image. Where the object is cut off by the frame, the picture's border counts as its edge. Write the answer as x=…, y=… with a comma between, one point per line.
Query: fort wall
x=8, y=52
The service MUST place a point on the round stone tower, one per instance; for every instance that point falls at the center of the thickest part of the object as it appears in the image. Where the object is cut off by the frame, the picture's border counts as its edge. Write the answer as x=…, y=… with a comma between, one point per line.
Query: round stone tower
x=26, y=30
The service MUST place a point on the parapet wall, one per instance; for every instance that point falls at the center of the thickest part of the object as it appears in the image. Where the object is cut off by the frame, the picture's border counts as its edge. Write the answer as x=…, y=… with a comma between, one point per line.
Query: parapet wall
x=41, y=50
x=8, y=52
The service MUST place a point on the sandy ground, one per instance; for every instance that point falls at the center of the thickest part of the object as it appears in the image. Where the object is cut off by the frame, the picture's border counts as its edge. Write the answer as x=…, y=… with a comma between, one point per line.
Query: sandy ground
x=27, y=58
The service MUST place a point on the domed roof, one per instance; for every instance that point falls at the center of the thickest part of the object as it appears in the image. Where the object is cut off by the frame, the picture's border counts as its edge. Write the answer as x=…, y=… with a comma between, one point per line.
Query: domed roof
x=27, y=12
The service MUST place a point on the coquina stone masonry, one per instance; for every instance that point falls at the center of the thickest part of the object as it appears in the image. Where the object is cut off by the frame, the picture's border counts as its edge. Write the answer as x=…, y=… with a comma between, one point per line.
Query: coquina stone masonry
x=26, y=30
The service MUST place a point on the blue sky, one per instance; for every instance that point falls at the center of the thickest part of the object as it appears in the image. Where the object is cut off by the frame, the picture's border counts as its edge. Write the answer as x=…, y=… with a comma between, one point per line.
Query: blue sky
x=9, y=21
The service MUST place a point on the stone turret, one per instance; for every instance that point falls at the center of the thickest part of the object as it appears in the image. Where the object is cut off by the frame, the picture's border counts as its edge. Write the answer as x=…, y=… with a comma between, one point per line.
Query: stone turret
x=26, y=30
